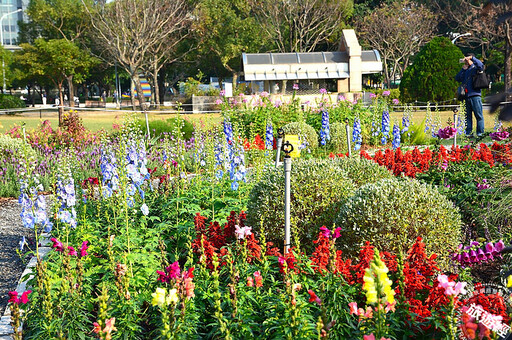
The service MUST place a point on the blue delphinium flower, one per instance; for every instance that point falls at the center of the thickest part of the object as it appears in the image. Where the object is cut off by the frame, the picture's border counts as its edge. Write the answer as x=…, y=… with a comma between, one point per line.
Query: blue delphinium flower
x=33, y=206
x=396, y=137
x=406, y=122
x=385, y=126
x=375, y=129
x=324, y=131
x=65, y=192
x=234, y=157
x=228, y=131
x=357, y=139
x=110, y=177
x=269, y=136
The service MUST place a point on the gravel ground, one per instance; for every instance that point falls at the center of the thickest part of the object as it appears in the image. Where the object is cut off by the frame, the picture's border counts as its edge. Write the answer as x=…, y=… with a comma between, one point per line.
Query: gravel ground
x=11, y=231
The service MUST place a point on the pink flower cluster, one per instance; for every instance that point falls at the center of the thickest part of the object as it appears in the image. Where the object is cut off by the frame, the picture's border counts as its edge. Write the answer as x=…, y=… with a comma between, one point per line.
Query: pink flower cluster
x=243, y=232
x=171, y=272
x=58, y=246
x=451, y=287
x=474, y=253
x=499, y=136
x=13, y=297
x=483, y=185
x=447, y=133
x=258, y=280
x=368, y=313
x=328, y=234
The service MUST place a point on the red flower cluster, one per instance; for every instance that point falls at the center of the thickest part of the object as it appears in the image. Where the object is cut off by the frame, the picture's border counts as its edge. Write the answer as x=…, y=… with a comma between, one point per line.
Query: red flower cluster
x=416, y=161
x=212, y=238
x=13, y=297
x=257, y=144
x=91, y=181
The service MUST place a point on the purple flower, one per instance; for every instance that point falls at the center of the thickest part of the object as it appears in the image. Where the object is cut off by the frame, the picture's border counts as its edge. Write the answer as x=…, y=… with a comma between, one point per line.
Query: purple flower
x=323, y=91
x=373, y=95
x=386, y=93
x=499, y=136
x=499, y=246
x=336, y=233
x=57, y=245
x=396, y=101
x=264, y=94
x=295, y=86
x=222, y=93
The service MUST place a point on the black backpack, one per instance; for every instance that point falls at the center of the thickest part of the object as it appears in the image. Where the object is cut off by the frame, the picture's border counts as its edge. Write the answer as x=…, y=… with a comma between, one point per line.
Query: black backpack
x=480, y=80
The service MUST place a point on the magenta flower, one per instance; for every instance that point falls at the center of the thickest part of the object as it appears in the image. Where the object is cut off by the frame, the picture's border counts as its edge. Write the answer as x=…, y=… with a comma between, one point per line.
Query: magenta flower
x=499, y=246
x=473, y=256
x=295, y=86
x=218, y=101
x=13, y=297
x=386, y=93
x=72, y=251
x=323, y=91
x=174, y=270
x=222, y=93
x=83, y=249
x=325, y=232
x=396, y=101
x=264, y=94
x=447, y=133
x=481, y=255
x=57, y=245
x=372, y=95
x=162, y=277
x=336, y=233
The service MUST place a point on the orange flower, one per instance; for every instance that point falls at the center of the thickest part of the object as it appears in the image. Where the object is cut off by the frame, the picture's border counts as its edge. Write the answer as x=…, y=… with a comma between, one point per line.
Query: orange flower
x=258, y=279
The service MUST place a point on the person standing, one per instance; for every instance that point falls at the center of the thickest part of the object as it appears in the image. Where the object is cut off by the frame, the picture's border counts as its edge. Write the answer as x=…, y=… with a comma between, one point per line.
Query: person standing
x=44, y=99
x=473, y=97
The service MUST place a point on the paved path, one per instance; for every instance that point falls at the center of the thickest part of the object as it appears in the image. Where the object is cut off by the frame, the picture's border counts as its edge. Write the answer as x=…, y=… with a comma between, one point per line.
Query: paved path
x=11, y=232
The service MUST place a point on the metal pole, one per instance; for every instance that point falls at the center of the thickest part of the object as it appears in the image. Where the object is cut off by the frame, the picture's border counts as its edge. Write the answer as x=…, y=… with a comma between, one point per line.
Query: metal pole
x=280, y=135
x=24, y=135
x=347, y=129
x=455, y=122
x=147, y=122
x=287, y=148
x=117, y=89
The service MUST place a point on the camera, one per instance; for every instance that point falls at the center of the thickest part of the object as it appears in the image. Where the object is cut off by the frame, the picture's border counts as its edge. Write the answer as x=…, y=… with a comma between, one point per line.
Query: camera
x=462, y=60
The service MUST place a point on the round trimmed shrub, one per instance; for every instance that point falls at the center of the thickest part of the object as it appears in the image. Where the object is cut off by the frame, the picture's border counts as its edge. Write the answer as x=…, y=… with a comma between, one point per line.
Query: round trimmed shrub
x=338, y=137
x=316, y=187
x=303, y=130
x=393, y=213
x=12, y=148
x=362, y=171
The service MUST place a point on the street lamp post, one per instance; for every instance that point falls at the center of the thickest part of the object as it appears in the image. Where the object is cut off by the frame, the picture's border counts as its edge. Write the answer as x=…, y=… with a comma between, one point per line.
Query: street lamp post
x=459, y=35
x=2, y=39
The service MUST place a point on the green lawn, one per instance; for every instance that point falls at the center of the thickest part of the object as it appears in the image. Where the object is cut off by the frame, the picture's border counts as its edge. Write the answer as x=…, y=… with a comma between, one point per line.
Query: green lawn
x=92, y=120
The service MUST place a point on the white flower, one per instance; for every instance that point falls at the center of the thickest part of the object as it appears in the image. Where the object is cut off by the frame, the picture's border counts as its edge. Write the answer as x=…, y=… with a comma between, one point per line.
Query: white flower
x=145, y=210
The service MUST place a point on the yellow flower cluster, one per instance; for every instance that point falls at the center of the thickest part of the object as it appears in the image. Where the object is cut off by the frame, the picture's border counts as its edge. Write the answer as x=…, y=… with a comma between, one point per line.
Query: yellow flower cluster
x=376, y=282
x=161, y=298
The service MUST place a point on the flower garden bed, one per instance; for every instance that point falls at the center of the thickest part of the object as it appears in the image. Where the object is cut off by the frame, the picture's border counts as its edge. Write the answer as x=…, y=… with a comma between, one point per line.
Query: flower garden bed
x=132, y=259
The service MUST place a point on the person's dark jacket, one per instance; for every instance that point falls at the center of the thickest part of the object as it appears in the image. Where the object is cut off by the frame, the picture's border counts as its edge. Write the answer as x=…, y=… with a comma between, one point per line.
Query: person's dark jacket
x=466, y=77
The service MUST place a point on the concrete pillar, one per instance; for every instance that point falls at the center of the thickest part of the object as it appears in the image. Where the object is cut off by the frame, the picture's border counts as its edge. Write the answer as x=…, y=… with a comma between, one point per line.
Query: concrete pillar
x=343, y=85
x=350, y=45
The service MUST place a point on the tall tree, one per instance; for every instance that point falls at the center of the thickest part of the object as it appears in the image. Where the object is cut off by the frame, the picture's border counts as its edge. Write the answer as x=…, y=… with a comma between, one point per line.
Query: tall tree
x=57, y=19
x=130, y=31
x=301, y=25
x=56, y=59
x=397, y=30
x=224, y=29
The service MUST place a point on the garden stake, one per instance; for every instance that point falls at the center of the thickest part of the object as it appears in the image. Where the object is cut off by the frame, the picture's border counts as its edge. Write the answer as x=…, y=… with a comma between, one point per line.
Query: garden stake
x=280, y=135
x=287, y=149
x=455, y=122
x=347, y=127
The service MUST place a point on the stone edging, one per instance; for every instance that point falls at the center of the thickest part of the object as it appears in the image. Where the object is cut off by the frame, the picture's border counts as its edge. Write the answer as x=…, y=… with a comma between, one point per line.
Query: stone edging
x=6, y=330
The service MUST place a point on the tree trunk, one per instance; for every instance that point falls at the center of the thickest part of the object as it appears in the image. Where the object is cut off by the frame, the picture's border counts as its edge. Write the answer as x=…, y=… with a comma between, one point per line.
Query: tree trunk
x=71, y=91
x=508, y=64
x=132, y=94
x=386, y=73
x=235, y=81
x=156, y=89
x=138, y=87
x=61, y=104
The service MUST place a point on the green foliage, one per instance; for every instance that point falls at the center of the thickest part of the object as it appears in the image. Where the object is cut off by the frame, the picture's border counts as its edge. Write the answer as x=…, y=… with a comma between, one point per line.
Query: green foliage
x=168, y=126
x=393, y=213
x=485, y=212
x=304, y=131
x=15, y=147
x=361, y=170
x=10, y=102
x=338, y=140
x=316, y=185
x=431, y=77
